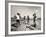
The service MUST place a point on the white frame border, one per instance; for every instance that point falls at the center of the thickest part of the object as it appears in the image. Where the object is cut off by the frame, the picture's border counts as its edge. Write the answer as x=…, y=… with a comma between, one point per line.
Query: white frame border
x=20, y=32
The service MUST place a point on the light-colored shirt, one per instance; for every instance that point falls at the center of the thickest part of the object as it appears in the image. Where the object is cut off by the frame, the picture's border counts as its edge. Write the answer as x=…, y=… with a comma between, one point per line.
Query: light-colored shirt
x=17, y=17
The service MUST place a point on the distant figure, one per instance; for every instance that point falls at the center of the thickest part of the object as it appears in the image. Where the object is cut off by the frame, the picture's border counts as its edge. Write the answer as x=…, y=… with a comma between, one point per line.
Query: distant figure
x=28, y=19
x=34, y=19
x=24, y=17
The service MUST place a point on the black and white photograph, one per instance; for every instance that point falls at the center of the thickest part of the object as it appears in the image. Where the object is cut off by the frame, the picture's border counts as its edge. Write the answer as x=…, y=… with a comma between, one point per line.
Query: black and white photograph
x=24, y=18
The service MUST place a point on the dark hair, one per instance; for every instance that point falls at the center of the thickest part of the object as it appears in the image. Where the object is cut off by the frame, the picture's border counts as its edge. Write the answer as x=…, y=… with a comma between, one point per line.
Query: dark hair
x=18, y=13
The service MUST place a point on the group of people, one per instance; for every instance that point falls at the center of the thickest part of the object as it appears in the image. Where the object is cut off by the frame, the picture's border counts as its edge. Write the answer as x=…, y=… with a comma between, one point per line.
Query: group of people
x=19, y=17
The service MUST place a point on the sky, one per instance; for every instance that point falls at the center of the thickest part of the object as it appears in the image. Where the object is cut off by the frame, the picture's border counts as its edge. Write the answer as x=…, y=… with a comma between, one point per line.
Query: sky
x=25, y=11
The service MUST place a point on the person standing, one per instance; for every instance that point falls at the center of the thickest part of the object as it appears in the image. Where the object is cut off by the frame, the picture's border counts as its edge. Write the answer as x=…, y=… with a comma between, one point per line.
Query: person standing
x=28, y=19
x=18, y=18
x=34, y=19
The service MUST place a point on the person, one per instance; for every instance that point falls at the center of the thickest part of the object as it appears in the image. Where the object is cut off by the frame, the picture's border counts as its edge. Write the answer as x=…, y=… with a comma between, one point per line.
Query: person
x=28, y=19
x=18, y=18
x=34, y=19
x=24, y=17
